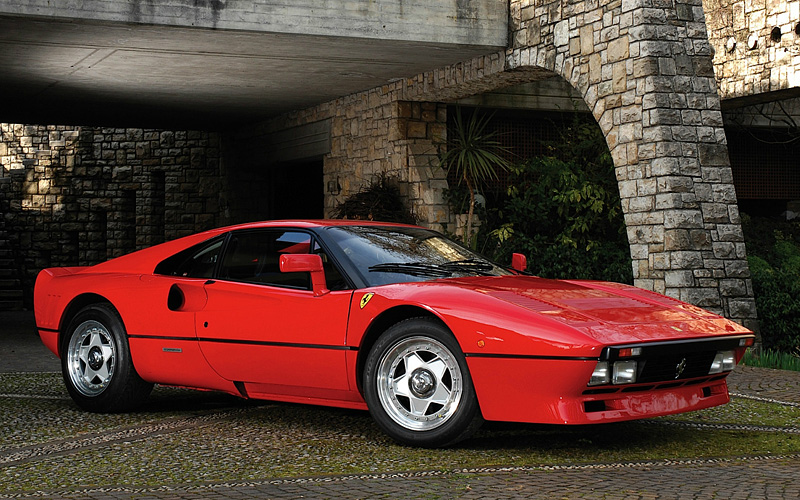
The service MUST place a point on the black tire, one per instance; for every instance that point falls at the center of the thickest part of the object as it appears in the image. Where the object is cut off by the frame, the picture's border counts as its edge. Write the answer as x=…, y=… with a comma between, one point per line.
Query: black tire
x=417, y=385
x=96, y=362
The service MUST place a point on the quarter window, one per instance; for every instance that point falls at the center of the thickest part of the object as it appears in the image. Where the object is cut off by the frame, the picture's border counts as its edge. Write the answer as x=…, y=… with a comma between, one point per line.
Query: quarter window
x=198, y=261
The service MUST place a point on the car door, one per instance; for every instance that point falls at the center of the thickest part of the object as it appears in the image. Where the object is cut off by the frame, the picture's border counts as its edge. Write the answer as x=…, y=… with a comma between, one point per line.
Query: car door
x=265, y=328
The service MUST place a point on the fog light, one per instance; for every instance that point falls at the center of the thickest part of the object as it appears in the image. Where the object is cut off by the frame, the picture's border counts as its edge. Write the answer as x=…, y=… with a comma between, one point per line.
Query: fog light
x=624, y=372
x=600, y=375
x=724, y=361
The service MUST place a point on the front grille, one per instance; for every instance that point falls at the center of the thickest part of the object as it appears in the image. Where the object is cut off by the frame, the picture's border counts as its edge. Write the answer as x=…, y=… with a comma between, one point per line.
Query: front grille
x=675, y=366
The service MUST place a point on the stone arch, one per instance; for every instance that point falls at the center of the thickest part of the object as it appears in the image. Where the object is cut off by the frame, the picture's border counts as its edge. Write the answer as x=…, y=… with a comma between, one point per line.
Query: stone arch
x=645, y=73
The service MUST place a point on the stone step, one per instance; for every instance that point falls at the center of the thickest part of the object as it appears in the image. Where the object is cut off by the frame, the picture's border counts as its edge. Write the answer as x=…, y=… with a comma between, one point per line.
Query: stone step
x=10, y=294
x=6, y=272
x=6, y=283
x=10, y=305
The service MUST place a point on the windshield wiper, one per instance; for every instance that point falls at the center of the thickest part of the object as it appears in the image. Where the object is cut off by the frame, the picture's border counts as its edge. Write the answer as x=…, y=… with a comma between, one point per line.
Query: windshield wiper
x=412, y=269
x=473, y=265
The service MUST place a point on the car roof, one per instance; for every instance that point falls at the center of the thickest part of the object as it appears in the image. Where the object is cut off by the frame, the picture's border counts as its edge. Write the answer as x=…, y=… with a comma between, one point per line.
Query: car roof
x=310, y=223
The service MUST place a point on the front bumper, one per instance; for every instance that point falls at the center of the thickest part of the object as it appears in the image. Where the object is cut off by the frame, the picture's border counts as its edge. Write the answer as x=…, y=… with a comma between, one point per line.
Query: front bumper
x=554, y=391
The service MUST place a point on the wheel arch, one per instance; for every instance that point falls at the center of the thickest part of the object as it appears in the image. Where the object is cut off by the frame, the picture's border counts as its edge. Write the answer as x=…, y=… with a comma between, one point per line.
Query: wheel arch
x=72, y=310
x=383, y=322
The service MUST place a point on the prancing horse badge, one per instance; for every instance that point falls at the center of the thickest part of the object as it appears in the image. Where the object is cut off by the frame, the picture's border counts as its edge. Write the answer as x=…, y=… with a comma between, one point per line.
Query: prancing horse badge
x=365, y=299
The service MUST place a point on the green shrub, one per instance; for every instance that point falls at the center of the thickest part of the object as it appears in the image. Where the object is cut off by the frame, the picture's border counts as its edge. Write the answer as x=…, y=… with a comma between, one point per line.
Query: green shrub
x=562, y=210
x=774, y=261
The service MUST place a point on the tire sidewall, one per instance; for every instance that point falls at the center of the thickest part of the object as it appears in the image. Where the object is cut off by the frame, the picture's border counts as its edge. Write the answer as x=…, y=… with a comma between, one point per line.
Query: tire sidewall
x=466, y=417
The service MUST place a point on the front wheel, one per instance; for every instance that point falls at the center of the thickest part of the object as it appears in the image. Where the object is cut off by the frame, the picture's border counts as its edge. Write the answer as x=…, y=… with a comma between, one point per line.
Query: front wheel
x=417, y=385
x=96, y=362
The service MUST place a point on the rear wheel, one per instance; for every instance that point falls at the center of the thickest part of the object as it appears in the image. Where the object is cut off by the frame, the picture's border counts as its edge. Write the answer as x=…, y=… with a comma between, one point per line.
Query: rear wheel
x=417, y=385
x=96, y=362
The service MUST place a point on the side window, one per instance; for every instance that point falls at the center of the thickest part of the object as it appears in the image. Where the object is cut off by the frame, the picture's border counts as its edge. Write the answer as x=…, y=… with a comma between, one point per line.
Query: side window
x=198, y=261
x=254, y=256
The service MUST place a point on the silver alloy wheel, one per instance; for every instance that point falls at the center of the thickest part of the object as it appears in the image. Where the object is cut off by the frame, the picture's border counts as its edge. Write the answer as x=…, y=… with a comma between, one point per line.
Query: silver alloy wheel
x=91, y=356
x=419, y=383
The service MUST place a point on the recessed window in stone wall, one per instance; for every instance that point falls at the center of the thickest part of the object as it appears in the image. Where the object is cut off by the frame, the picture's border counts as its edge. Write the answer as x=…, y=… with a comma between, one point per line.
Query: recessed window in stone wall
x=775, y=34
x=763, y=164
x=153, y=223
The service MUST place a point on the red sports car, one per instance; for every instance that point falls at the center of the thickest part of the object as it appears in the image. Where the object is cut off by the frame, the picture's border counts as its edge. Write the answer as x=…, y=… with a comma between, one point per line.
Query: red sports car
x=397, y=319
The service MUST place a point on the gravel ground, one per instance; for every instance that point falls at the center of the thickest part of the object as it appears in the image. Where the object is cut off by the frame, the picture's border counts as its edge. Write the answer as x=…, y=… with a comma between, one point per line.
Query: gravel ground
x=188, y=444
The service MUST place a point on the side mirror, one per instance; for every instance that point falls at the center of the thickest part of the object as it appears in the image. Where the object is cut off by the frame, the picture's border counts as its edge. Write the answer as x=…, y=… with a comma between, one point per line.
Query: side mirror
x=306, y=263
x=519, y=262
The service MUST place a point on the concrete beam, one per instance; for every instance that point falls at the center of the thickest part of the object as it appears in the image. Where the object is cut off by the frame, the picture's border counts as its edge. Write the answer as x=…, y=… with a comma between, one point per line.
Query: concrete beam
x=452, y=22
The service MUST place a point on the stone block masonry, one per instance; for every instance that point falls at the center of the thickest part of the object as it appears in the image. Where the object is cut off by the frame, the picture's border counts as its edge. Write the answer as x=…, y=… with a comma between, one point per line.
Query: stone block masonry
x=80, y=195
x=644, y=69
x=756, y=45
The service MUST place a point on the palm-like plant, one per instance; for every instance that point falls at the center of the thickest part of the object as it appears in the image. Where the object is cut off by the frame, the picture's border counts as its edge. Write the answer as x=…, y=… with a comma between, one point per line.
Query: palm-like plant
x=474, y=155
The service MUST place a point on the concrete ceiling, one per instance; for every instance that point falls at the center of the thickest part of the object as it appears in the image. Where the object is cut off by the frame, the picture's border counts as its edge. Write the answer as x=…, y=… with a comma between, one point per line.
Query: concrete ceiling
x=67, y=71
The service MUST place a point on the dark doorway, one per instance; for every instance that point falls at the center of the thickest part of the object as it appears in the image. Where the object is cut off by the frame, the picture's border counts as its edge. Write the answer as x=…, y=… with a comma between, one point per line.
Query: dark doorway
x=296, y=190
x=287, y=190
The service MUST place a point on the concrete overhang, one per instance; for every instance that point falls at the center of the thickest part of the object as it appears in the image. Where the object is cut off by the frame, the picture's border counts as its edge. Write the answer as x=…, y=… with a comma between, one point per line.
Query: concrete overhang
x=215, y=64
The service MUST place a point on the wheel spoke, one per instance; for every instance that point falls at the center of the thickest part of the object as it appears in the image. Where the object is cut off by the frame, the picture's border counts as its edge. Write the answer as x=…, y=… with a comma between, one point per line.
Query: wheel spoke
x=400, y=385
x=438, y=367
x=101, y=372
x=441, y=396
x=419, y=406
x=412, y=362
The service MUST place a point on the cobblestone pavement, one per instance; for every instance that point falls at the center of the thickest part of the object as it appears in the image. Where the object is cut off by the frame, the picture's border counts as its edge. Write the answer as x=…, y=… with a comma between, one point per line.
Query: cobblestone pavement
x=769, y=477
x=758, y=383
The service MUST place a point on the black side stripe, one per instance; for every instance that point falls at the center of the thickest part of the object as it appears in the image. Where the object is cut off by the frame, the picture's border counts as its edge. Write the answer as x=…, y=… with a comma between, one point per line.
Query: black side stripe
x=279, y=344
x=247, y=342
x=527, y=356
x=50, y=330
x=161, y=337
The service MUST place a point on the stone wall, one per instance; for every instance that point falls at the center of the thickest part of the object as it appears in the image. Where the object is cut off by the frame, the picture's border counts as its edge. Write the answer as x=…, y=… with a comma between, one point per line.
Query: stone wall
x=80, y=195
x=756, y=45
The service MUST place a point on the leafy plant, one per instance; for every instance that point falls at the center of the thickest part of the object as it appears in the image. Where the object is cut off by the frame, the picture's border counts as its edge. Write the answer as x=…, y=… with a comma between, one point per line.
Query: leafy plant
x=562, y=210
x=473, y=154
x=767, y=358
x=774, y=260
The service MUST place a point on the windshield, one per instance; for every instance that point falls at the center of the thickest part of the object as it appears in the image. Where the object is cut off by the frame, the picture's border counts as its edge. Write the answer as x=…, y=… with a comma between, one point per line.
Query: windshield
x=384, y=255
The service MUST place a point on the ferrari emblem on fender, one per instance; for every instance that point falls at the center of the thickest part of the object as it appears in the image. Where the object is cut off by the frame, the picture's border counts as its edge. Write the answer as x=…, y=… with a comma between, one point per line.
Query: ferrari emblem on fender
x=679, y=368
x=365, y=299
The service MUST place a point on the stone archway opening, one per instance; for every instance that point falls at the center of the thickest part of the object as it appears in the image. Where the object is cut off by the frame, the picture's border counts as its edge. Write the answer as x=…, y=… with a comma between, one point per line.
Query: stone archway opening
x=559, y=203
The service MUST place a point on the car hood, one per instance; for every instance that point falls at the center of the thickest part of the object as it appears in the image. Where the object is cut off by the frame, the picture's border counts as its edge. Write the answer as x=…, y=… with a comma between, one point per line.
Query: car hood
x=610, y=313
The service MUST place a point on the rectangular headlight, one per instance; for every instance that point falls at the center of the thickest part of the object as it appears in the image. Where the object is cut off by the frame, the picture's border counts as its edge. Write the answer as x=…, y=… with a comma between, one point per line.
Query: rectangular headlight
x=624, y=372
x=601, y=374
x=724, y=361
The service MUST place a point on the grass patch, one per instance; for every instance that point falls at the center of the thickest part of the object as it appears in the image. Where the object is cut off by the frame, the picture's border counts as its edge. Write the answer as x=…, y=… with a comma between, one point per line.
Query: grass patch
x=768, y=358
x=271, y=440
